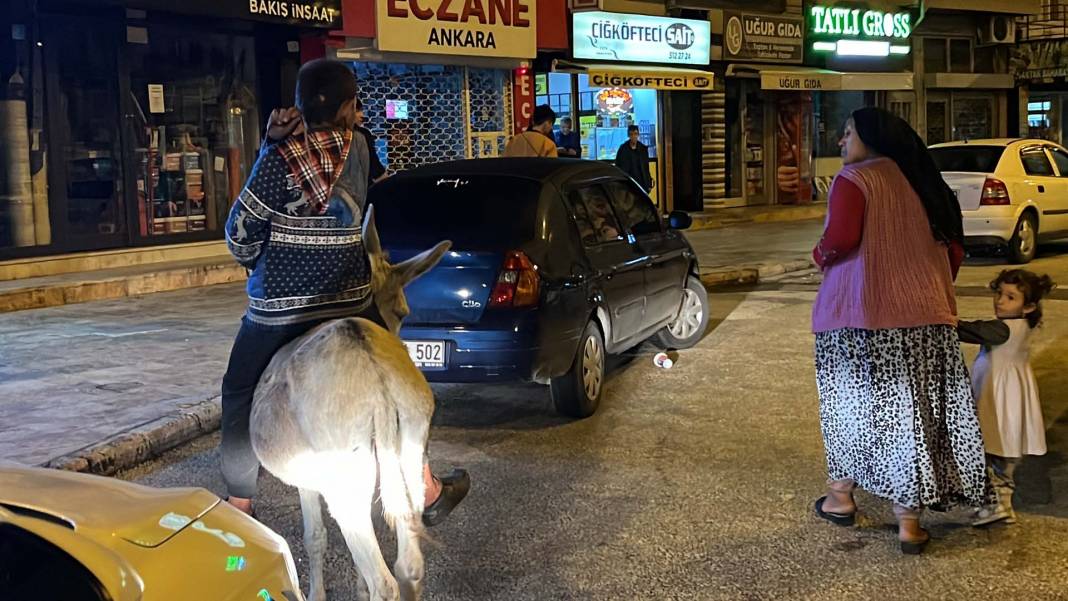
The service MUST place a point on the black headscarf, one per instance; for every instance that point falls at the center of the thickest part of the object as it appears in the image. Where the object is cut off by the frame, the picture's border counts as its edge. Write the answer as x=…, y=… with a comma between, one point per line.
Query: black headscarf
x=892, y=137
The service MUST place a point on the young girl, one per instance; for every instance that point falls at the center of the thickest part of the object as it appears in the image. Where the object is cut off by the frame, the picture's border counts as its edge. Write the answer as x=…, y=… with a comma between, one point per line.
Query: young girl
x=1004, y=385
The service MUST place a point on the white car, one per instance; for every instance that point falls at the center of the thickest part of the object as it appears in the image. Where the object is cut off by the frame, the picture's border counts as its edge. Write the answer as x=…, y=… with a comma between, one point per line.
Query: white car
x=1012, y=192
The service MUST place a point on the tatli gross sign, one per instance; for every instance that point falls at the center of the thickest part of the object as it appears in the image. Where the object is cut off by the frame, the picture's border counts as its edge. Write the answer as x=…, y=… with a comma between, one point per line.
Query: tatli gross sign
x=641, y=38
x=503, y=28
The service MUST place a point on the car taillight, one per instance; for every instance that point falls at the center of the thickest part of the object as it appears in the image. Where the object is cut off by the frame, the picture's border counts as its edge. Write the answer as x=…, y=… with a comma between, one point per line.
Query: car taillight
x=518, y=284
x=994, y=192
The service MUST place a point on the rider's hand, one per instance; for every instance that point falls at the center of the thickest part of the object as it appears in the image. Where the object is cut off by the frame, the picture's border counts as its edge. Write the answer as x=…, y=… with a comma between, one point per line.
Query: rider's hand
x=283, y=123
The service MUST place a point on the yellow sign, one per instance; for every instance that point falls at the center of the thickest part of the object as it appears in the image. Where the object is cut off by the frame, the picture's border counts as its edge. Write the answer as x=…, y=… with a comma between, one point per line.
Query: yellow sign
x=662, y=79
x=499, y=28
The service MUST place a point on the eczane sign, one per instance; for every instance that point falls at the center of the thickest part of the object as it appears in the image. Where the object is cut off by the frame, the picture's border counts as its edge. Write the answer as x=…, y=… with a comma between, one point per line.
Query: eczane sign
x=499, y=28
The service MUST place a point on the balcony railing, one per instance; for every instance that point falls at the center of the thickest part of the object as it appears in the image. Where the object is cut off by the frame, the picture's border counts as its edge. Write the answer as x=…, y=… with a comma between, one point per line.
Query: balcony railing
x=1052, y=22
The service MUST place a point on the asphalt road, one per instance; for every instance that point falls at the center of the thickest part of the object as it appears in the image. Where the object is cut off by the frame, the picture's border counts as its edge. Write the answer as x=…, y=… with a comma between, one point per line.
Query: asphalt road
x=697, y=482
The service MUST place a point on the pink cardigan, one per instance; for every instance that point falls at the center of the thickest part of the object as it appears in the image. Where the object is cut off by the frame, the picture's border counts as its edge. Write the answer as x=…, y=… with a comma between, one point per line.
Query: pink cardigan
x=899, y=276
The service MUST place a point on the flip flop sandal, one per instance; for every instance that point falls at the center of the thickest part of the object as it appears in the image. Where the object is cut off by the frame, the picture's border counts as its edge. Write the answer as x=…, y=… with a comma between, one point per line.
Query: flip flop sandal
x=838, y=519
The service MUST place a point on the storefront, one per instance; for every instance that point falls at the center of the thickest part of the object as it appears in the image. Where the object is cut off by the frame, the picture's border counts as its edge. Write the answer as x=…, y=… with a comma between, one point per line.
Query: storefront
x=122, y=129
x=626, y=70
x=440, y=81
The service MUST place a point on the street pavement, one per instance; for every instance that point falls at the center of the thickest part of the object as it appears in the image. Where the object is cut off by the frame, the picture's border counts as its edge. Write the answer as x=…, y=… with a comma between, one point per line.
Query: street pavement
x=697, y=482
x=77, y=376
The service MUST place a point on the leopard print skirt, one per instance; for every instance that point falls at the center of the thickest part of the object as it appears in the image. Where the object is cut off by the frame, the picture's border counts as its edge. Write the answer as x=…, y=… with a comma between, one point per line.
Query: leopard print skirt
x=898, y=417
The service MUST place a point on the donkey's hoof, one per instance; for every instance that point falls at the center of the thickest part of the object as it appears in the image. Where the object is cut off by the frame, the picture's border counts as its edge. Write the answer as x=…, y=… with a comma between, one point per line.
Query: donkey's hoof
x=454, y=488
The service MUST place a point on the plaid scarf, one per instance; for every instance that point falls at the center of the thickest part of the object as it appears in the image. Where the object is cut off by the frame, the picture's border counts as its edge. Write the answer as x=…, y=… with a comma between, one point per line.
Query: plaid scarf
x=315, y=161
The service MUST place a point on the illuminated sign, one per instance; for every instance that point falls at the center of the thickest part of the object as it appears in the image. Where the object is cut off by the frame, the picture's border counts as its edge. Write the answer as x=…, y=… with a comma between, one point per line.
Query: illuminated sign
x=641, y=38
x=850, y=31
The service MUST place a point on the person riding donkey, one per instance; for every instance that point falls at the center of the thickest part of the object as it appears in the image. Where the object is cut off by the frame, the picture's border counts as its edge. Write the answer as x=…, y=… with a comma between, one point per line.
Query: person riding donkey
x=296, y=226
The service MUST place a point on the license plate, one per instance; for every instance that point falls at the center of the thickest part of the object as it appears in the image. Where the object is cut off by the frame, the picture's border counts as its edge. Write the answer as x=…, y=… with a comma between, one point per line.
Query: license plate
x=426, y=353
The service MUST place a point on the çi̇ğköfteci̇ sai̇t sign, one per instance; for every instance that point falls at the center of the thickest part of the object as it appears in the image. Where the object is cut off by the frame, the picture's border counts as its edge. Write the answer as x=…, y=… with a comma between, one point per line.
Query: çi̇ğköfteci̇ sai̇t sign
x=500, y=28
x=848, y=30
x=641, y=38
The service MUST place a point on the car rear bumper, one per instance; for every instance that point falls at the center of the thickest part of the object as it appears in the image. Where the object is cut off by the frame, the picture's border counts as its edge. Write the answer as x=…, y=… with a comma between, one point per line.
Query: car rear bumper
x=990, y=225
x=479, y=355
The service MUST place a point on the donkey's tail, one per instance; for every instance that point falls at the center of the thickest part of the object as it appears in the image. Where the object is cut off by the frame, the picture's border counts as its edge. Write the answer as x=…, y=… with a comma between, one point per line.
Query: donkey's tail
x=399, y=451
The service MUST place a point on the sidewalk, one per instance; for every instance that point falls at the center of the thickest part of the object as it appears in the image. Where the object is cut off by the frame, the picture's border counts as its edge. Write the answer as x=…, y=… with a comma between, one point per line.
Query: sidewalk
x=100, y=386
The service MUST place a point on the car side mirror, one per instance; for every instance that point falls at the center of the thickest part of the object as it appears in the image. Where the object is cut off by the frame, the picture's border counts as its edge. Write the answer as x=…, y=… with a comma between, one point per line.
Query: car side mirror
x=679, y=220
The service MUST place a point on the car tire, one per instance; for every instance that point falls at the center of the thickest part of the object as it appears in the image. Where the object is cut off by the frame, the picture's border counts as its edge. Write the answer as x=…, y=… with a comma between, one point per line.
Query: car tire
x=689, y=327
x=1024, y=242
x=578, y=392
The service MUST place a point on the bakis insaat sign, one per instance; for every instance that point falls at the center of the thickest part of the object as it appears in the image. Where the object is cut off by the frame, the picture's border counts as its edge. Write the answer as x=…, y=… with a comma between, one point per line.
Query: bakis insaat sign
x=499, y=28
x=641, y=38
x=855, y=30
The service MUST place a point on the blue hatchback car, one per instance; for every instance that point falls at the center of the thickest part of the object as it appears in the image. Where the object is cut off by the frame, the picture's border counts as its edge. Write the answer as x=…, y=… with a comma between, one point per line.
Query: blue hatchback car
x=554, y=263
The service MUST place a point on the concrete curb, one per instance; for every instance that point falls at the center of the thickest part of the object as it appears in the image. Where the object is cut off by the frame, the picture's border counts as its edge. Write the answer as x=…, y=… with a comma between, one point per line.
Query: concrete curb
x=724, y=218
x=721, y=277
x=89, y=289
x=147, y=441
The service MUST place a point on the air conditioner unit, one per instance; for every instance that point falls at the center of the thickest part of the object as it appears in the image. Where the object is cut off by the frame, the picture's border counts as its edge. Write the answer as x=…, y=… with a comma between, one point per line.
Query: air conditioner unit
x=998, y=29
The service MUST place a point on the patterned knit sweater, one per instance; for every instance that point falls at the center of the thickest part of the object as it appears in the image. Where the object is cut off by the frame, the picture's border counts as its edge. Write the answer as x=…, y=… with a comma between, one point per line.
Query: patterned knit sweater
x=304, y=266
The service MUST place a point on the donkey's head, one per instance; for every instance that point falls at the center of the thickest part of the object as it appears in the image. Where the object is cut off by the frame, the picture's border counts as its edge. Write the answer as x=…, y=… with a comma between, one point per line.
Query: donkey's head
x=388, y=280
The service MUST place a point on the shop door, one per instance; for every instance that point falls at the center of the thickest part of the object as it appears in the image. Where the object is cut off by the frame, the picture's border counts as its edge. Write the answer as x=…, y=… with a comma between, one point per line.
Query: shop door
x=900, y=104
x=938, y=118
x=86, y=158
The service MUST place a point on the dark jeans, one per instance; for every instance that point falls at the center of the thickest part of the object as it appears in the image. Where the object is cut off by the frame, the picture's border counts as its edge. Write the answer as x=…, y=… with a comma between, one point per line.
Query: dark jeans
x=252, y=352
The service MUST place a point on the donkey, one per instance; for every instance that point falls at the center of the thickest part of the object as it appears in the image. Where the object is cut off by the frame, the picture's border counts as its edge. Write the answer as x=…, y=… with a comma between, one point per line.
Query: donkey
x=342, y=406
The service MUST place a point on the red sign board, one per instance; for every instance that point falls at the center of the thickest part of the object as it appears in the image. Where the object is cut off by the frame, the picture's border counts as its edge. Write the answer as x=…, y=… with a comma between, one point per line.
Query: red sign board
x=522, y=98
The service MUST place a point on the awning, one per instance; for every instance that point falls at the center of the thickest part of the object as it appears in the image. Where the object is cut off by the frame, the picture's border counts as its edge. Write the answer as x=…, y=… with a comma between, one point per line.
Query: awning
x=779, y=77
x=629, y=76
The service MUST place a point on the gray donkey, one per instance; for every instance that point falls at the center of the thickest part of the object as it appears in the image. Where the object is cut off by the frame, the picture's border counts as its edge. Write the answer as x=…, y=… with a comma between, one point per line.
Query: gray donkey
x=344, y=405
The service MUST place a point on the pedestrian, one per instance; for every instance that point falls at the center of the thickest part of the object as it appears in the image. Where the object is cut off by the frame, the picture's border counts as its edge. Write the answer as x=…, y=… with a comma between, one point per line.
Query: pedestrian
x=296, y=226
x=568, y=143
x=376, y=171
x=632, y=158
x=538, y=140
x=896, y=406
x=1004, y=385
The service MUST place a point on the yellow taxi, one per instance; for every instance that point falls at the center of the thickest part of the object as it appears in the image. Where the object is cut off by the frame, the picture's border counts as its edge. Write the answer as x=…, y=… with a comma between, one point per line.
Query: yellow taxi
x=71, y=536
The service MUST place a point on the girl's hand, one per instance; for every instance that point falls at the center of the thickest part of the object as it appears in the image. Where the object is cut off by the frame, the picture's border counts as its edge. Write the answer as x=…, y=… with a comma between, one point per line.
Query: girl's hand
x=284, y=122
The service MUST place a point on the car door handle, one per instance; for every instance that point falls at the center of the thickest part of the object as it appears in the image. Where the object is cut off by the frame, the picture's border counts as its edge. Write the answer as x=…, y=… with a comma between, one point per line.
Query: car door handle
x=1041, y=188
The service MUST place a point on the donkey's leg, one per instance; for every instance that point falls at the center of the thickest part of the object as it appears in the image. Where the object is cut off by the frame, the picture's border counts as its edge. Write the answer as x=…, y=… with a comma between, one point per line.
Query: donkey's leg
x=409, y=567
x=314, y=541
x=350, y=504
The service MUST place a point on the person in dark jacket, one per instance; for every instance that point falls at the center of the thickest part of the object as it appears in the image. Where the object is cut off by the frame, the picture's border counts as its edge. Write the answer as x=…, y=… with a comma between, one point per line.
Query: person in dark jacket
x=376, y=171
x=296, y=226
x=632, y=158
x=568, y=144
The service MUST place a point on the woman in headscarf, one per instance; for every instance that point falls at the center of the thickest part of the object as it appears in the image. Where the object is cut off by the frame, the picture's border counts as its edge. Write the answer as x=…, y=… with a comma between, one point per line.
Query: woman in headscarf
x=895, y=404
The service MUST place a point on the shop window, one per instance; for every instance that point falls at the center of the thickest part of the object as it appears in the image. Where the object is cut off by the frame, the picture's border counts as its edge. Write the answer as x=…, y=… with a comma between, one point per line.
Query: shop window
x=593, y=215
x=960, y=55
x=1061, y=158
x=638, y=215
x=973, y=117
x=1035, y=161
x=195, y=125
x=832, y=109
x=934, y=55
x=1038, y=117
x=603, y=123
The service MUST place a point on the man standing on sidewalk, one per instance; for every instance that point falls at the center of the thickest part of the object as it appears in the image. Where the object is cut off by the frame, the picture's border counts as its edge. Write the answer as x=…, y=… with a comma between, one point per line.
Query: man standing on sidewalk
x=538, y=140
x=632, y=158
x=296, y=225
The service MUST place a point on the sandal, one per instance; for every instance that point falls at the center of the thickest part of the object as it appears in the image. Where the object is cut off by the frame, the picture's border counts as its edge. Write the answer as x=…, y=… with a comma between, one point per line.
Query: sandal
x=915, y=547
x=454, y=488
x=838, y=519
x=251, y=512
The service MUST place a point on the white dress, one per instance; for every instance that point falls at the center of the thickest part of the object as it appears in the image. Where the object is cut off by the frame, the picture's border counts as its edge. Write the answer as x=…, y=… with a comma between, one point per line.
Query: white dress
x=1006, y=393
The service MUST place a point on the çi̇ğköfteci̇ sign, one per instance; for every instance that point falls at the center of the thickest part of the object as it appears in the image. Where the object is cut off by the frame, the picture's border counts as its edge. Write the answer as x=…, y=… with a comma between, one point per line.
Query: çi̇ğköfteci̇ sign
x=641, y=38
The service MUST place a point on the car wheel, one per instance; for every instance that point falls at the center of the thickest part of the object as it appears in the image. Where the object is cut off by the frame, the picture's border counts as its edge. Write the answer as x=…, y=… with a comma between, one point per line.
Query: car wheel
x=578, y=392
x=1024, y=242
x=690, y=325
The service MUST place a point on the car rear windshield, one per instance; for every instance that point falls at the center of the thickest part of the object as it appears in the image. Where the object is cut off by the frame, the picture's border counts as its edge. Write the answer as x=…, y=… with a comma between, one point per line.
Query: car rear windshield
x=473, y=211
x=978, y=159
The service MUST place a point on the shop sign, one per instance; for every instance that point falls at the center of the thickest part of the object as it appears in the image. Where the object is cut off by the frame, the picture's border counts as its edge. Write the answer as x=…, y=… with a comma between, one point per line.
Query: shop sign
x=1039, y=61
x=852, y=30
x=497, y=28
x=754, y=37
x=306, y=13
x=641, y=38
x=657, y=80
x=522, y=99
x=801, y=81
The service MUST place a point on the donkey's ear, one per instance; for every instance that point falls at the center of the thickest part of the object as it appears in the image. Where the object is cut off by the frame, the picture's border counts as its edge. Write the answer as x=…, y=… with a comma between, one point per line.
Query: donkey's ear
x=371, y=243
x=421, y=263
